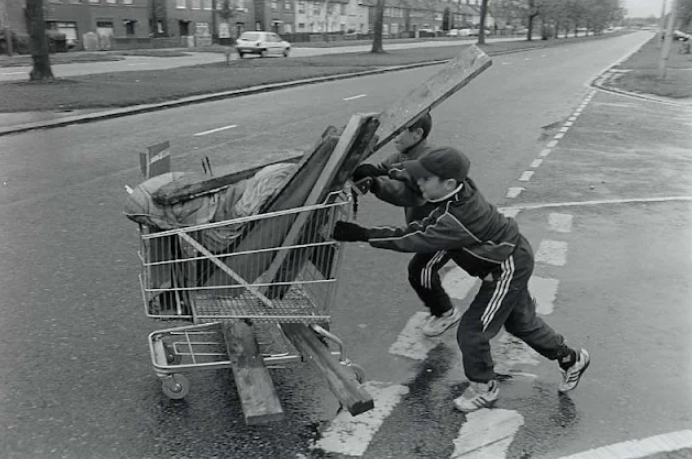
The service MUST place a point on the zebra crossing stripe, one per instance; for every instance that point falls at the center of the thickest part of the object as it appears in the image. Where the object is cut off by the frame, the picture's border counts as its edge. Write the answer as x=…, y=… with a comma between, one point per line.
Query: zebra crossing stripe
x=635, y=449
x=487, y=434
x=552, y=252
x=411, y=342
x=351, y=435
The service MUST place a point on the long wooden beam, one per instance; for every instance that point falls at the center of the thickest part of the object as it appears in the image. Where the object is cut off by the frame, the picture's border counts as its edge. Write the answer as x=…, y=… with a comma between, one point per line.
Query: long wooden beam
x=455, y=74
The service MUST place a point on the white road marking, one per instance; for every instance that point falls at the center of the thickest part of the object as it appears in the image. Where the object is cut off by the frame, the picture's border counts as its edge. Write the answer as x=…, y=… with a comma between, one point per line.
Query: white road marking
x=458, y=283
x=604, y=201
x=509, y=352
x=526, y=176
x=514, y=191
x=355, y=97
x=351, y=435
x=561, y=223
x=536, y=163
x=568, y=124
x=564, y=128
x=572, y=118
x=545, y=152
x=216, y=130
x=639, y=448
x=15, y=73
x=552, y=252
x=411, y=342
x=552, y=144
x=487, y=434
x=545, y=292
x=559, y=135
x=510, y=211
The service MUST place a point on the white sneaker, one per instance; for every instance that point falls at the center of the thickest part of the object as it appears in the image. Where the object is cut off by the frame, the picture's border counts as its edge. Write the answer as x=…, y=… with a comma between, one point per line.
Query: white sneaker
x=572, y=376
x=477, y=396
x=437, y=325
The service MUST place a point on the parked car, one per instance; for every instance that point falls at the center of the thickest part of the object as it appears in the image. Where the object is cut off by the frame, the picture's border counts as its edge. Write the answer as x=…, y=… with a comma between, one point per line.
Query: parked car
x=262, y=43
x=453, y=33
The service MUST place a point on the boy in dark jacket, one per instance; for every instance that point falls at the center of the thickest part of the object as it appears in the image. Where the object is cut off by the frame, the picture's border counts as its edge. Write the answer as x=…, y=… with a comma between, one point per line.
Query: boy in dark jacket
x=486, y=244
x=424, y=267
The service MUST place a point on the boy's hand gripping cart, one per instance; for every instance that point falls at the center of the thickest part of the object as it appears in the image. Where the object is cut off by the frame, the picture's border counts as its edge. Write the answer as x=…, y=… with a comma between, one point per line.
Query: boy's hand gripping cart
x=278, y=276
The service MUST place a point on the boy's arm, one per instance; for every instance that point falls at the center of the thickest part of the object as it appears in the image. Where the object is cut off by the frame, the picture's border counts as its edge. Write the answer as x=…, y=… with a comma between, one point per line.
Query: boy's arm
x=443, y=232
x=396, y=192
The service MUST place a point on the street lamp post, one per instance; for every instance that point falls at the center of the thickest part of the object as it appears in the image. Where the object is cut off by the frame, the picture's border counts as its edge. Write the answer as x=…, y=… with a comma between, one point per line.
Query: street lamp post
x=662, y=25
x=668, y=40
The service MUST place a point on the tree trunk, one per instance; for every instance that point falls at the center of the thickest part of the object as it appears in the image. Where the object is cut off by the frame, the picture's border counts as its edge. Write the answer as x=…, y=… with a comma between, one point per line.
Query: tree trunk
x=379, y=24
x=529, y=33
x=214, y=33
x=38, y=41
x=481, y=31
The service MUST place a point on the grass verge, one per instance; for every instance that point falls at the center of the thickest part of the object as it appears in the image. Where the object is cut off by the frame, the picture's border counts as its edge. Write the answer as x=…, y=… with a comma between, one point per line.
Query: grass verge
x=121, y=89
x=640, y=74
x=59, y=58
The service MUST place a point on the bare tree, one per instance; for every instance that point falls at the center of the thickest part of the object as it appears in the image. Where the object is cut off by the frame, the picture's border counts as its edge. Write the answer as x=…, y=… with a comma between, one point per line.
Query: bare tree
x=379, y=24
x=38, y=41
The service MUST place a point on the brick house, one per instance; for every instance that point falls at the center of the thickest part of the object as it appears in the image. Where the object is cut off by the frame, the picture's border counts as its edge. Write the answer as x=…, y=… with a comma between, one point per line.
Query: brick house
x=191, y=20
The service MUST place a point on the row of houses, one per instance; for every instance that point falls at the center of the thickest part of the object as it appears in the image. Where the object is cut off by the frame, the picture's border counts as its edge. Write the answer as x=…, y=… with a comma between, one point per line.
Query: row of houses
x=194, y=22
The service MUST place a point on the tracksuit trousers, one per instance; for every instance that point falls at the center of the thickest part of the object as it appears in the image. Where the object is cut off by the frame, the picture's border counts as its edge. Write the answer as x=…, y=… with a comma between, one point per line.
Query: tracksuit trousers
x=502, y=300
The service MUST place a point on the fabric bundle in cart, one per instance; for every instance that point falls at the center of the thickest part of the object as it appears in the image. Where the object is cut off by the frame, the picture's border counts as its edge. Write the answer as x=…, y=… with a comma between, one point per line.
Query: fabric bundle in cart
x=241, y=199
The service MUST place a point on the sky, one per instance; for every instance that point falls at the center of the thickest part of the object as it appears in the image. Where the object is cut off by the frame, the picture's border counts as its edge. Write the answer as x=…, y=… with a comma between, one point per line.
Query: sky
x=644, y=8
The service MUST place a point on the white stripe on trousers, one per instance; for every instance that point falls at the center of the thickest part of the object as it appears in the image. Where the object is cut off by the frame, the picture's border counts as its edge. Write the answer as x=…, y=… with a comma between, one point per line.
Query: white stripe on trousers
x=500, y=292
x=426, y=273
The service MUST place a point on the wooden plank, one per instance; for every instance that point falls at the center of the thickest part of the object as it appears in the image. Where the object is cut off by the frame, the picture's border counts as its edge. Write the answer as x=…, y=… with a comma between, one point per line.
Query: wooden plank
x=197, y=184
x=351, y=147
x=194, y=185
x=456, y=74
x=258, y=396
x=342, y=381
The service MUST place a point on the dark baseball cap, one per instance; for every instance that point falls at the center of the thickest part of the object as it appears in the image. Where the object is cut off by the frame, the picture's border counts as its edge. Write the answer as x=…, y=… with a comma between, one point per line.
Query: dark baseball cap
x=443, y=162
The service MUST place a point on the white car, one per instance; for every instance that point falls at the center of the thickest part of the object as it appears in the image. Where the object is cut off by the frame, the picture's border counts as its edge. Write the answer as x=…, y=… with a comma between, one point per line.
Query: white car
x=262, y=43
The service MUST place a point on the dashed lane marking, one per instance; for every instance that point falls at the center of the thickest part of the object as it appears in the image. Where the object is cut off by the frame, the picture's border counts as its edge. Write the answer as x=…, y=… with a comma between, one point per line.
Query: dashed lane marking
x=545, y=152
x=552, y=144
x=351, y=435
x=212, y=131
x=634, y=449
x=355, y=97
x=487, y=434
x=552, y=252
x=536, y=163
x=513, y=192
x=526, y=176
x=561, y=223
x=545, y=292
x=559, y=135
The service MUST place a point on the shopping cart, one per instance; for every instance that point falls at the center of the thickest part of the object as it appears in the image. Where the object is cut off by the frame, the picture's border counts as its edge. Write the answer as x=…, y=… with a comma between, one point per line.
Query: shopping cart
x=208, y=276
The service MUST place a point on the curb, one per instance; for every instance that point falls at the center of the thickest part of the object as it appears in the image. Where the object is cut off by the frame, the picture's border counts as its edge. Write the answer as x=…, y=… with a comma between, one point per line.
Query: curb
x=138, y=109
x=600, y=81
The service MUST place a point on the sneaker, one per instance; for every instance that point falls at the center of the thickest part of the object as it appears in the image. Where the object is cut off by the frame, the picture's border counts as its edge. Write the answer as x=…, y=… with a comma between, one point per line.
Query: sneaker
x=436, y=325
x=477, y=396
x=572, y=375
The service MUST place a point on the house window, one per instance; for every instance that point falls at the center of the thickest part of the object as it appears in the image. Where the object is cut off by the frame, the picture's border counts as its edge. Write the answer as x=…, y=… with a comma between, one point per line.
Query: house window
x=287, y=5
x=129, y=27
x=112, y=2
x=241, y=5
x=316, y=10
x=180, y=4
x=343, y=9
x=301, y=8
x=206, y=4
x=196, y=4
x=127, y=2
x=94, y=1
x=275, y=5
x=288, y=28
x=202, y=29
x=301, y=26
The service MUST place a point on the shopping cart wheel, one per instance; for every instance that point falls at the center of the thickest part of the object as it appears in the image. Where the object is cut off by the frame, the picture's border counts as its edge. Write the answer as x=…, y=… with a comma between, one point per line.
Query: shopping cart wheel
x=175, y=386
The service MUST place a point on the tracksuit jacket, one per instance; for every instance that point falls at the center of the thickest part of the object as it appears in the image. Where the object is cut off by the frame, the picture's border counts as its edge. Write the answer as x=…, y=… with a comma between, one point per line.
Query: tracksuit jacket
x=464, y=223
